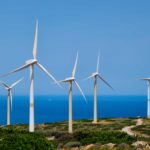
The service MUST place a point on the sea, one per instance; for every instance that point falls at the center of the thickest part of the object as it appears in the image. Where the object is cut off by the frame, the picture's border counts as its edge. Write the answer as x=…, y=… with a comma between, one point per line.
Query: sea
x=52, y=108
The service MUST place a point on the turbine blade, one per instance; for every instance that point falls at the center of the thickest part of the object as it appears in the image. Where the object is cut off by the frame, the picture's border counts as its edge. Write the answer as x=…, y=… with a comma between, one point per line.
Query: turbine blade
x=11, y=100
x=4, y=84
x=88, y=77
x=61, y=81
x=75, y=66
x=14, y=84
x=35, y=41
x=14, y=71
x=43, y=69
x=105, y=82
x=146, y=79
x=97, y=63
x=80, y=90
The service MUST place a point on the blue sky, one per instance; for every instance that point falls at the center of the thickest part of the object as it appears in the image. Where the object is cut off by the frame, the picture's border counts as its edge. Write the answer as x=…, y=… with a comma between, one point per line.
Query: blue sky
x=120, y=29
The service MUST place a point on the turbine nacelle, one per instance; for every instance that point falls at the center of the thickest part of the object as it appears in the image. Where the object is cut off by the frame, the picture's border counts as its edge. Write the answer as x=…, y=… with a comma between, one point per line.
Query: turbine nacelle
x=8, y=88
x=147, y=80
x=95, y=74
x=31, y=61
x=69, y=79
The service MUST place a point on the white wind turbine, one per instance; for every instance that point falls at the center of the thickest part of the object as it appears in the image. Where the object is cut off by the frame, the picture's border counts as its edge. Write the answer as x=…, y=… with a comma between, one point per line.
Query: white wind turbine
x=9, y=98
x=71, y=80
x=31, y=63
x=96, y=75
x=148, y=96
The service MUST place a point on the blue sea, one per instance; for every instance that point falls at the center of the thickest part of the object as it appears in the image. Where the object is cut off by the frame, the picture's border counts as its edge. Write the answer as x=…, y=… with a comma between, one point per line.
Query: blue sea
x=55, y=108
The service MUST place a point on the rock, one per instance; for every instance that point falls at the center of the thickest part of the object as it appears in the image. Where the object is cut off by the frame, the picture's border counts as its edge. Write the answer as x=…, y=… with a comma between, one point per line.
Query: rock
x=75, y=148
x=88, y=147
x=110, y=145
x=51, y=138
x=142, y=143
x=147, y=147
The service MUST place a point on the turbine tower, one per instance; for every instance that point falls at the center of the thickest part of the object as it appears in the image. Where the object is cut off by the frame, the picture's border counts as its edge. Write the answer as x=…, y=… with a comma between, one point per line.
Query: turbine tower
x=31, y=64
x=9, y=98
x=95, y=76
x=72, y=80
x=148, y=96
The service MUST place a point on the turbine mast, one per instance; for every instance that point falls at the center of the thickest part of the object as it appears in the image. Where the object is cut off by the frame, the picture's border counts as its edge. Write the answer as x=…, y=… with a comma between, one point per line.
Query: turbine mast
x=95, y=99
x=148, y=102
x=31, y=119
x=70, y=107
x=8, y=108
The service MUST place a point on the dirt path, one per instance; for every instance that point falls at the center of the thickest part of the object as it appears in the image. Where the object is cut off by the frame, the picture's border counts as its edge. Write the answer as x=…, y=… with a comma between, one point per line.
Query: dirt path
x=128, y=129
x=139, y=122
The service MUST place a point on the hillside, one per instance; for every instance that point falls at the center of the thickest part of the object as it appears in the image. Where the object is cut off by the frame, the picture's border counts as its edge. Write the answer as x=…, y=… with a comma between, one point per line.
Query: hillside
x=115, y=134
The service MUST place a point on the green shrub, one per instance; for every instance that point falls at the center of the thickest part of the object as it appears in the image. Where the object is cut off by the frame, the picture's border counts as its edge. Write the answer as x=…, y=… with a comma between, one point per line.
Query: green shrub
x=123, y=146
x=62, y=136
x=88, y=137
x=22, y=140
x=72, y=144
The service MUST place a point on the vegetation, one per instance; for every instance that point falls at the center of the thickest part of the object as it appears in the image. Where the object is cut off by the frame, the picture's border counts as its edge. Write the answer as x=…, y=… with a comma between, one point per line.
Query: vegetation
x=51, y=136
x=143, y=129
x=17, y=139
x=103, y=137
x=72, y=144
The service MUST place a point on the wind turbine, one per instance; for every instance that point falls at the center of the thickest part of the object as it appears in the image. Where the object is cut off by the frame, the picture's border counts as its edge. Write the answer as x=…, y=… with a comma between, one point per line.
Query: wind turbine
x=95, y=76
x=72, y=80
x=9, y=99
x=148, y=96
x=31, y=64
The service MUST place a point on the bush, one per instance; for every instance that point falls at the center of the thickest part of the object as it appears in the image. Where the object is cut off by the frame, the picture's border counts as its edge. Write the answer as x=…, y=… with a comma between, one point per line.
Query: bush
x=72, y=144
x=22, y=140
x=62, y=136
x=88, y=137
x=123, y=146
